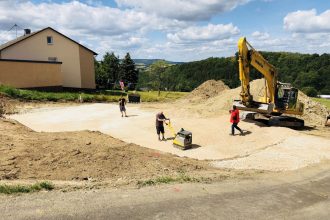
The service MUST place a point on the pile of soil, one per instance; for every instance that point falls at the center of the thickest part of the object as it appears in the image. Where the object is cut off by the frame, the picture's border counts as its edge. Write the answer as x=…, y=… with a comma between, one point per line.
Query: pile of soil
x=85, y=155
x=314, y=112
x=194, y=104
x=220, y=99
x=7, y=105
x=208, y=89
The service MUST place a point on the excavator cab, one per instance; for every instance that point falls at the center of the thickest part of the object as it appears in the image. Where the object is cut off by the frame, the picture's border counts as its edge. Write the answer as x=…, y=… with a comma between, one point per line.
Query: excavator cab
x=285, y=96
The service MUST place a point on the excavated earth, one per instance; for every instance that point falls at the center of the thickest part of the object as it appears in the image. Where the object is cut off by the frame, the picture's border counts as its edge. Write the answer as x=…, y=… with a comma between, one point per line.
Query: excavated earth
x=82, y=155
x=86, y=159
x=77, y=147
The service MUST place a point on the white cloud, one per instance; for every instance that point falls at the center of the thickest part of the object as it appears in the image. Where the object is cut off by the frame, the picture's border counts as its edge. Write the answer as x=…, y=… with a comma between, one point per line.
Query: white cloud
x=296, y=42
x=103, y=28
x=122, y=43
x=74, y=16
x=188, y=52
x=308, y=22
x=169, y=29
x=207, y=33
x=260, y=35
x=312, y=42
x=309, y=31
x=6, y=36
x=188, y=10
x=81, y=20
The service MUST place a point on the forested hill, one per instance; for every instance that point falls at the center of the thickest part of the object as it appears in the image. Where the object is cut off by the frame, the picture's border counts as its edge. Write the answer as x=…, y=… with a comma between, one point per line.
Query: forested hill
x=148, y=62
x=307, y=72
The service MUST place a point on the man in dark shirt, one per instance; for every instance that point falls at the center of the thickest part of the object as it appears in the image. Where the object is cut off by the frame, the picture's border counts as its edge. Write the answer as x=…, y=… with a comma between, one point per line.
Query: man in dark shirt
x=160, y=119
x=122, y=103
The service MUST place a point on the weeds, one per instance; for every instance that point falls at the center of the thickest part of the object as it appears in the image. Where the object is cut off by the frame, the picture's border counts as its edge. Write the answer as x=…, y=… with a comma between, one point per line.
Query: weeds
x=167, y=180
x=325, y=102
x=13, y=189
x=164, y=96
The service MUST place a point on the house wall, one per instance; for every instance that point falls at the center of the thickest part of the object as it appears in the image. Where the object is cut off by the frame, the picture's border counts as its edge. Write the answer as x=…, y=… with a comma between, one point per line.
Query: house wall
x=21, y=74
x=87, y=68
x=36, y=48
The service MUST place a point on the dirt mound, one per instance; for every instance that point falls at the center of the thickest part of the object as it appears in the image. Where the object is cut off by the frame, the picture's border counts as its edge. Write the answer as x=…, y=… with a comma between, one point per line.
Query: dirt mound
x=314, y=113
x=218, y=99
x=7, y=105
x=208, y=89
x=214, y=97
x=257, y=88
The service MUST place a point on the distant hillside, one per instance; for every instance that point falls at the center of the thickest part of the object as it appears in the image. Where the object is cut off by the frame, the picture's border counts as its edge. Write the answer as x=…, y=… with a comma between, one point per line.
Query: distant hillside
x=307, y=72
x=148, y=62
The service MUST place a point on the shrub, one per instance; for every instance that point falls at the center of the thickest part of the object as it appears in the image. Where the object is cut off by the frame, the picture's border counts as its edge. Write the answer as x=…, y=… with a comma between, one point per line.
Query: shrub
x=12, y=189
x=310, y=91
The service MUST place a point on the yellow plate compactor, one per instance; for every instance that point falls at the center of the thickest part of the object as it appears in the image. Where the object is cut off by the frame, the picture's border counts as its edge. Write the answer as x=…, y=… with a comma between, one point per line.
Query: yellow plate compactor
x=182, y=139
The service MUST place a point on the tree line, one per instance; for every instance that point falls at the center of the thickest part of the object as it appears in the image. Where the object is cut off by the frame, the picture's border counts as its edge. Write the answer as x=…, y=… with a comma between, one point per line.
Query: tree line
x=307, y=72
x=111, y=70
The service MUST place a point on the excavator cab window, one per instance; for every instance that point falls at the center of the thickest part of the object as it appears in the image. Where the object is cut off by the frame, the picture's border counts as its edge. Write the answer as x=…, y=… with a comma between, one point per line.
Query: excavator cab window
x=293, y=96
x=280, y=93
x=281, y=97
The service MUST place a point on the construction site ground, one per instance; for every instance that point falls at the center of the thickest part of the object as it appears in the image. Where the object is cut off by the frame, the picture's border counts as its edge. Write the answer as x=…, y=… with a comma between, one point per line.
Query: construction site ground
x=262, y=147
x=93, y=143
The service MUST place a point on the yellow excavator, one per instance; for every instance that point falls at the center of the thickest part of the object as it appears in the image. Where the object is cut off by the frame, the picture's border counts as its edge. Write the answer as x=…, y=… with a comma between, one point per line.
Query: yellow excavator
x=279, y=98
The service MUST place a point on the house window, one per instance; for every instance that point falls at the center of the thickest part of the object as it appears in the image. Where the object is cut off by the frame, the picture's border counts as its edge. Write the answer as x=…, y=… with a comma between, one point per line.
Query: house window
x=52, y=59
x=50, y=40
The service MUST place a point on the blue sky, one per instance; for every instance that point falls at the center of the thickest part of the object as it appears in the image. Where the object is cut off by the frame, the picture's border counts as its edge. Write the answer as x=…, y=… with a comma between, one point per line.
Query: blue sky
x=177, y=30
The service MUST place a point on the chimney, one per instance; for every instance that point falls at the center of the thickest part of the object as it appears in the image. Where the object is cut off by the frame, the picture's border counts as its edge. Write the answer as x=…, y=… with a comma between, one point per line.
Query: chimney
x=27, y=31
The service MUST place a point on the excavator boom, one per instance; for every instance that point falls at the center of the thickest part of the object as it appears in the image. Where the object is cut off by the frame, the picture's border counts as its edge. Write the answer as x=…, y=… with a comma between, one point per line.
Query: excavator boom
x=248, y=56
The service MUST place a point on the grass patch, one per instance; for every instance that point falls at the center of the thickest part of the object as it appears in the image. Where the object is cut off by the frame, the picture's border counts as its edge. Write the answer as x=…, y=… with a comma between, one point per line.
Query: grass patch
x=167, y=180
x=325, y=102
x=152, y=96
x=13, y=189
x=97, y=96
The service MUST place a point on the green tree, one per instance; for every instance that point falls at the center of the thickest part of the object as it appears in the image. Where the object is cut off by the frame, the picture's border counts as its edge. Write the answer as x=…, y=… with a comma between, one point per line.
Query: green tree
x=301, y=70
x=128, y=73
x=100, y=75
x=110, y=66
x=310, y=91
x=158, y=73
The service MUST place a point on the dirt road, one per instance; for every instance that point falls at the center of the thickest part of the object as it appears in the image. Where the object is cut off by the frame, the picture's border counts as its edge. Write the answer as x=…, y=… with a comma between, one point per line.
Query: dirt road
x=265, y=148
x=290, y=195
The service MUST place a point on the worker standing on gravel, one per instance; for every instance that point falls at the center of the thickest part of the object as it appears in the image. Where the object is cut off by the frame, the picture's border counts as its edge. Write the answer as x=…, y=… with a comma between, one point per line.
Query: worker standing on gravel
x=160, y=119
x=234, y=119
x=122, y=104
